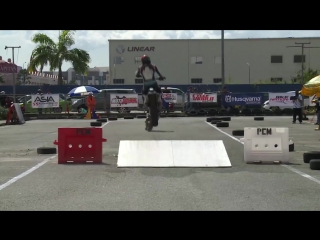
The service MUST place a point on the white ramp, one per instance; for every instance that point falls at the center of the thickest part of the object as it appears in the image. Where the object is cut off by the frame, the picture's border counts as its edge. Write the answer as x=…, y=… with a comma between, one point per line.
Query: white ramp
x=169, y=153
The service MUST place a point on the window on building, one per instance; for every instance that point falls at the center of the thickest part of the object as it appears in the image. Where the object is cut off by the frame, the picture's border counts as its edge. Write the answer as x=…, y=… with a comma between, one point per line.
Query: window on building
x=118, y=81
x=217, y=60
x=196, y=60
x=276, y=79
x=276, y=59
x=196, y=80
x=137, y=60
x=138, y=80
x=217, y=80
x=299, y=58
x=118, y=60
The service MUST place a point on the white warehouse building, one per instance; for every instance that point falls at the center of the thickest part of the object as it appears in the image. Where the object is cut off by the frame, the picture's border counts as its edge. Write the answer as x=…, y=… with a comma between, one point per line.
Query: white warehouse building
x=198, y=61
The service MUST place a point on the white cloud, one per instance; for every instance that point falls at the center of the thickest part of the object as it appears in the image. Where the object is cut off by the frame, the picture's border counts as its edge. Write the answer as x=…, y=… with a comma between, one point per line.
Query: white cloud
x=96, y=42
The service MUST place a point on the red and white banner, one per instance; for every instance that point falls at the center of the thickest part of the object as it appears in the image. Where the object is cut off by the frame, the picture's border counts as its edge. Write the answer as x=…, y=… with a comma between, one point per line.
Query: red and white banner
x=202, y=97
x=281, y=100
x=123, y=100
x=170, y=97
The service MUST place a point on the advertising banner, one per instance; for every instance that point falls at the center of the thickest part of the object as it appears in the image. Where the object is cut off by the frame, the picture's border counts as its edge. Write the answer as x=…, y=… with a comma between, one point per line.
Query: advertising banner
x=234, y=99
x=203, y=97
x=170, y=97
x=123, y=100
x=45, y=101
x=281, y=100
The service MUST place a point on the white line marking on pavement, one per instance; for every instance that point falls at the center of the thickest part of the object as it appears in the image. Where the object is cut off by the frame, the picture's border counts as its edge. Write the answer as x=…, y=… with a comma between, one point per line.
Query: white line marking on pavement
x=284, y=165
x=25, y=173
x=8, y=183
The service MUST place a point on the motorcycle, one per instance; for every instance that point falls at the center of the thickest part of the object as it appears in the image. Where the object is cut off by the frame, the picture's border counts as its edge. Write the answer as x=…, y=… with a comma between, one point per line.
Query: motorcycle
x=153, y=113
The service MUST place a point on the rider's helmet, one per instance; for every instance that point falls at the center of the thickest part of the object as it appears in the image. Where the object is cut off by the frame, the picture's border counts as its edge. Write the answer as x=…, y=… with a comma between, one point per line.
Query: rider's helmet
x=145, y=59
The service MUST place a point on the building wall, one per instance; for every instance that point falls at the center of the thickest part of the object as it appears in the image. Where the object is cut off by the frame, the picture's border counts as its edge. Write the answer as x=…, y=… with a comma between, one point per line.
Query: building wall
x=175, y=59
x=97, y=75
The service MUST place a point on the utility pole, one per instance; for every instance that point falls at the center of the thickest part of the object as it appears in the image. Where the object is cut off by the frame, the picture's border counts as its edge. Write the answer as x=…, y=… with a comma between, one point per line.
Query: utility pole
x=13, y=75
x=222, y=59
x=302, y=59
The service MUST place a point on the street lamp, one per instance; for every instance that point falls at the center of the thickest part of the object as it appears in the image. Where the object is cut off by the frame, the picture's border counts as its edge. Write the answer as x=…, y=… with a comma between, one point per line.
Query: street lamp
x=24, y=73
x=249, y=72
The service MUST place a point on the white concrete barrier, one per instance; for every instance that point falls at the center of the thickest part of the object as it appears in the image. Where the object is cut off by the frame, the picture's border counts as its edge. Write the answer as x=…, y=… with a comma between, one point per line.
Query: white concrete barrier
x=266, y=145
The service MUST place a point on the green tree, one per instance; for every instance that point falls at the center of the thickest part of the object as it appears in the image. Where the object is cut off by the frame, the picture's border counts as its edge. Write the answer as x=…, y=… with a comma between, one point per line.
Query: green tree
x=54, y=54
x=23, y=76
x=308, y=74
x=1, y=79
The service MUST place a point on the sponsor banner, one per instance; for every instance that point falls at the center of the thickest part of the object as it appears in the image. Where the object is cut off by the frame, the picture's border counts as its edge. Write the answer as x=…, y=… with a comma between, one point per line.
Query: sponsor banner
x=281, y=100
x=123, y=100
x=202, y=97
x=45, y=101
x=169, y=97
x=234, y=99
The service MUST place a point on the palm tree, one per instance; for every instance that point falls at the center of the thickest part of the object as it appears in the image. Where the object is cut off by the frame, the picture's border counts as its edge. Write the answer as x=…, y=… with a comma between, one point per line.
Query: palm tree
x=54, y=54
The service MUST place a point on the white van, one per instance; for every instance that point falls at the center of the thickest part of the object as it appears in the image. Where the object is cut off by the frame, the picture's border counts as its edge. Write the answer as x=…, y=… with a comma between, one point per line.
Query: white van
x=102, y=102
x=180, y=97
x=267, y=107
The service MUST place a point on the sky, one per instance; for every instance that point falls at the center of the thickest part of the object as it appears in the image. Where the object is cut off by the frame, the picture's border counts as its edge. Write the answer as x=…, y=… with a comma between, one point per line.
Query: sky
x=96, y=41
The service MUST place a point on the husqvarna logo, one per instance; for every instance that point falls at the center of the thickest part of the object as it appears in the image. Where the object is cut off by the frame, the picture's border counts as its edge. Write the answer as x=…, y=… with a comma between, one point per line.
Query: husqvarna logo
x=120, y=49
x=228, y=98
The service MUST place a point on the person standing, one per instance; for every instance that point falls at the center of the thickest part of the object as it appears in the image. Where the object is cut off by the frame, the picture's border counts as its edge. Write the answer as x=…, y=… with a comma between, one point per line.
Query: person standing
x=297, y=107
x=317, y=107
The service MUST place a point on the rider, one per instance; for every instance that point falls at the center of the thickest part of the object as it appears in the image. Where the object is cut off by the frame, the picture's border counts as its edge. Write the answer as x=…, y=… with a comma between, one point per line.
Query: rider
x=147, y=71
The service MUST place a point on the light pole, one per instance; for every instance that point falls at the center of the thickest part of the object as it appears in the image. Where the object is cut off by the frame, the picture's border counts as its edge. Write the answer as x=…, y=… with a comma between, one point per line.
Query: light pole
x=302, y=58
x=13, y=79
x=249, y=72
x=222, y=59
x=24, y=73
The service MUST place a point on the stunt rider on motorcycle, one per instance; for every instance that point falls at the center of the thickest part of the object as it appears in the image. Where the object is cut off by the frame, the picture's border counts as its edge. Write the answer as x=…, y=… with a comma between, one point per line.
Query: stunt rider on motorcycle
x=147, y=71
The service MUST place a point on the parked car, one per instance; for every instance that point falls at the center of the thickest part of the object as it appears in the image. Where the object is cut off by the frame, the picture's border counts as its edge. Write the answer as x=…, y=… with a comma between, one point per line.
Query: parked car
x=103, y=101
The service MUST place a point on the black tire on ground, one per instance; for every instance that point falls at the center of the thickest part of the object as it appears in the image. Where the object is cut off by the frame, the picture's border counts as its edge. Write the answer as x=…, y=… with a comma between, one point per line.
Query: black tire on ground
x=112, y=118
x=102, y=120
x=209, y=119
x=307, y=156
x=96, y=124
x=193, y=113
x=315, y=164
x=238, y=132
x=141, y=116
x=46, y=150
x=128, y=117
x=215, y=121
x=217, y=118
x=258, y=118
x=222, y=124
x=226, y=118
x=291, y=147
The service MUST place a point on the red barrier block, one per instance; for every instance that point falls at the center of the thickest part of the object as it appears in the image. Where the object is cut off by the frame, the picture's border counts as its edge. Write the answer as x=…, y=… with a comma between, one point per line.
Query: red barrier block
x=79, y=145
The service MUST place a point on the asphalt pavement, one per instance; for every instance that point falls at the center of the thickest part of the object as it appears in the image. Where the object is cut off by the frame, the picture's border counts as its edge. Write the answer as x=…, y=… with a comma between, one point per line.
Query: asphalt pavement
x=29, y=181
